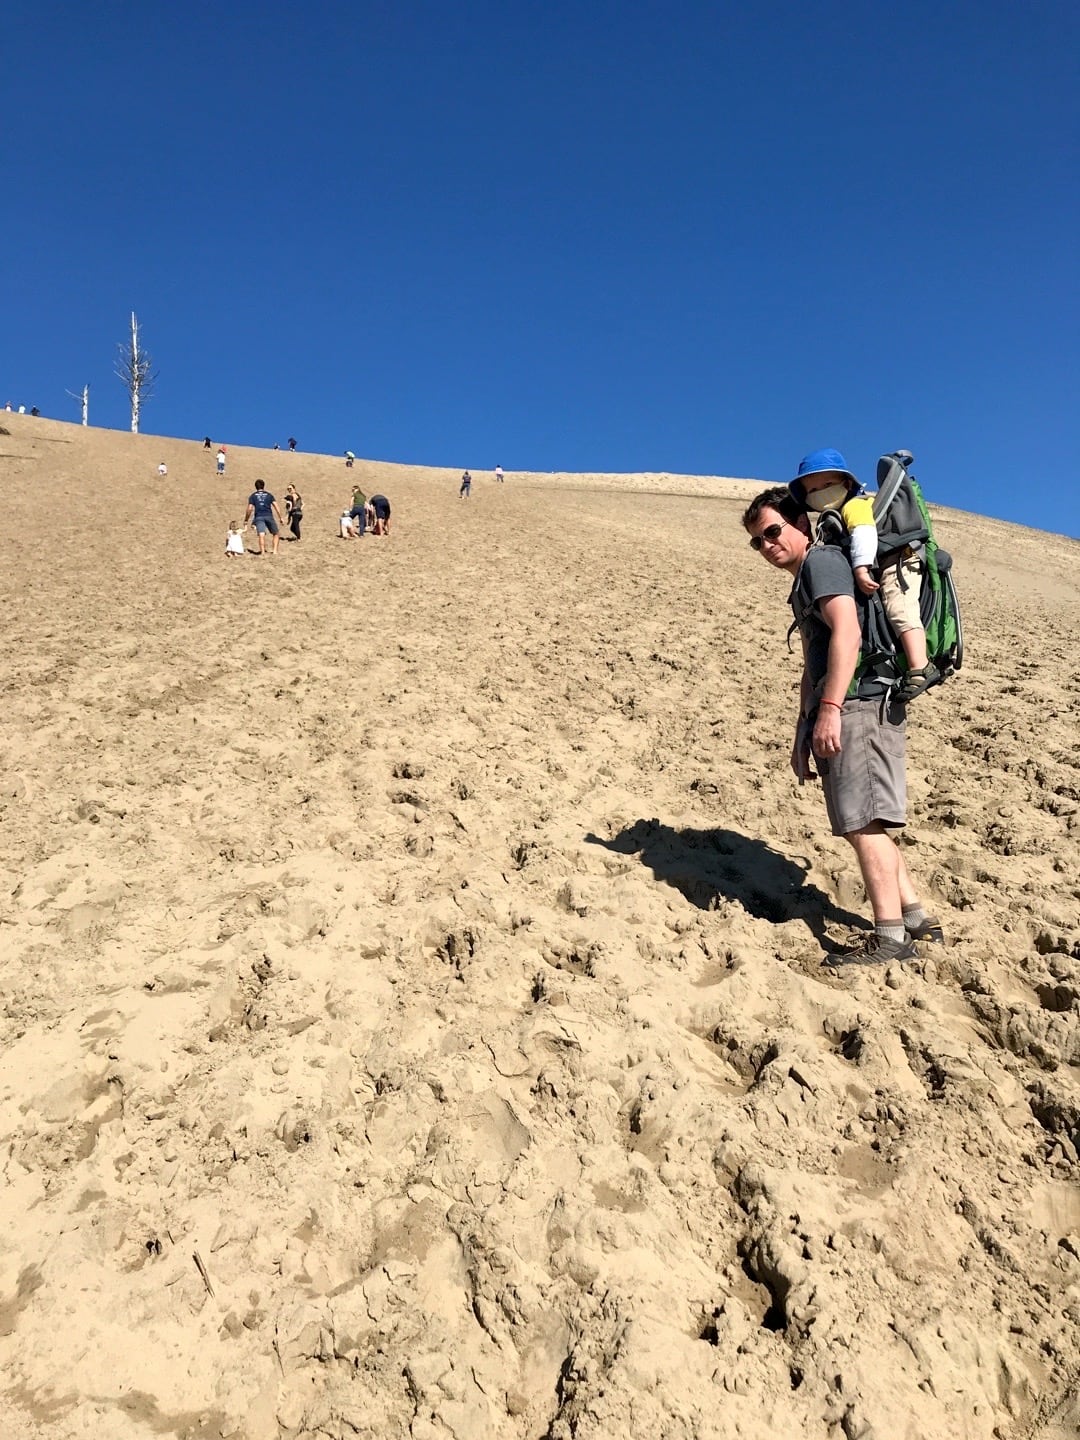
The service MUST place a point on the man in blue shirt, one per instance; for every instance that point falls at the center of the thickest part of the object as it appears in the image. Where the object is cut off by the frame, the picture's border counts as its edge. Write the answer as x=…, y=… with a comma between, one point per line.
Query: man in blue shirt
x=262, y=508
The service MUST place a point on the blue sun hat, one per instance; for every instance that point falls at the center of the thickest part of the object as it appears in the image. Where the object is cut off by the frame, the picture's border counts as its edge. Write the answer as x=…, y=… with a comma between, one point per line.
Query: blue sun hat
x=814, y=464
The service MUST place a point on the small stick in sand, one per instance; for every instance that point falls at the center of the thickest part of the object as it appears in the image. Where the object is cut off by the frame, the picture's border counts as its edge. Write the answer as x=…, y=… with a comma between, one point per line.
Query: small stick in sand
x=202, y=1271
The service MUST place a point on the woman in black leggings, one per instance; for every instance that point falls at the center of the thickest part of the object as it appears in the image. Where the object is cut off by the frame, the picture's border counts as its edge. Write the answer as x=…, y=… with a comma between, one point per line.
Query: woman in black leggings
x=294, y=509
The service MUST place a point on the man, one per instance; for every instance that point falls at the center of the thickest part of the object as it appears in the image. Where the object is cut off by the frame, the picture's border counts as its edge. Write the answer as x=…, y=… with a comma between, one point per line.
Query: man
x=857, y=739
x=262, y=508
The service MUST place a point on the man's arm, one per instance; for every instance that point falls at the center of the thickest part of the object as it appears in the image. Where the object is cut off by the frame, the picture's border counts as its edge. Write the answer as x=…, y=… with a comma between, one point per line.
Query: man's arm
x=277, y=512
x=845, y=638
x=248, y=513
x=842, y=618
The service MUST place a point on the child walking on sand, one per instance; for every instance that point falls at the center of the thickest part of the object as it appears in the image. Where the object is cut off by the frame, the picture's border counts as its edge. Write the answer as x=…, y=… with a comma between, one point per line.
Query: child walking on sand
x=825, y=483
x=234, y=539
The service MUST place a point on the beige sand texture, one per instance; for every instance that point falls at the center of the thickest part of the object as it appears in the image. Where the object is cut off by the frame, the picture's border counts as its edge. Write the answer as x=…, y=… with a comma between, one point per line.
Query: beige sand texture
x=413, y=1017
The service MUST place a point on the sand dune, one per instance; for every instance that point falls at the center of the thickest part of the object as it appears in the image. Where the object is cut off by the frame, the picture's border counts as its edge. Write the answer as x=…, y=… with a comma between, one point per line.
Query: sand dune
x=413, y=1015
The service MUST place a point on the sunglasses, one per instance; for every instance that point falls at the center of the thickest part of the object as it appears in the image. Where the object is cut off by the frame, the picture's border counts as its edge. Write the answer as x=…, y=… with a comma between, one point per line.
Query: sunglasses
x=771, y=532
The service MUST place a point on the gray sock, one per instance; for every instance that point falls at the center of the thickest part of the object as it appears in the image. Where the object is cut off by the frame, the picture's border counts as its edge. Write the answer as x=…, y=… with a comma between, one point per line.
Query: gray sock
x=914, y=916
x=891, y=930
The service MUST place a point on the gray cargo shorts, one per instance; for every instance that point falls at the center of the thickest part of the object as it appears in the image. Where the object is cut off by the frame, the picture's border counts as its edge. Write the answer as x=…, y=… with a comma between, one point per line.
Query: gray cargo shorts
x=867, y=781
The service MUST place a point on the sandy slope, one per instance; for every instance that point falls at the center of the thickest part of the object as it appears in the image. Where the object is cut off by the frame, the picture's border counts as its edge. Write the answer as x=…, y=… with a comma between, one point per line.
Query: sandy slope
x=425, y=934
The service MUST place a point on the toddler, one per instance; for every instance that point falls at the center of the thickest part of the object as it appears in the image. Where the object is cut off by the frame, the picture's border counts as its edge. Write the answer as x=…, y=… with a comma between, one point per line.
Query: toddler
x=825, y=483
x=234, y=539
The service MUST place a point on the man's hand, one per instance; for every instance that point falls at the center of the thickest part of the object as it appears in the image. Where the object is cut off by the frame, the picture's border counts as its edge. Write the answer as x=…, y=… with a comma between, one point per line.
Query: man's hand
x=865, y=581
x=826, y=740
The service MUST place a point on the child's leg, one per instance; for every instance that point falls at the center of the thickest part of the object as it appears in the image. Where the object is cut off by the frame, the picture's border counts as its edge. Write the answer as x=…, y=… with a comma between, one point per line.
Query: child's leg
x=914, y=643
x=901, y=591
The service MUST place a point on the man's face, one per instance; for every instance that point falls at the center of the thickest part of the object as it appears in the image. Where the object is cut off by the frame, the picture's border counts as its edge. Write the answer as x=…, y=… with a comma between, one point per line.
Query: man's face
x=779, y=541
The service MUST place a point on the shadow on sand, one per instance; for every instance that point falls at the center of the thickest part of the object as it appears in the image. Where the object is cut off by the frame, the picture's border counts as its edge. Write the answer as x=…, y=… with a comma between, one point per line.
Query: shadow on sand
x=710, y=865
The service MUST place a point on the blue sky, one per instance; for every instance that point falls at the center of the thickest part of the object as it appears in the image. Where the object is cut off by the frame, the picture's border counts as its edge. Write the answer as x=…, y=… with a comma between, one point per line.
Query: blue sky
x=703, y=237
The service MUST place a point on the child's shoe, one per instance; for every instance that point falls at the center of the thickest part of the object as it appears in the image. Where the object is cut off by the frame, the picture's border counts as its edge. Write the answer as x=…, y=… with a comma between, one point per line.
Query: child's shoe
x=916, y=681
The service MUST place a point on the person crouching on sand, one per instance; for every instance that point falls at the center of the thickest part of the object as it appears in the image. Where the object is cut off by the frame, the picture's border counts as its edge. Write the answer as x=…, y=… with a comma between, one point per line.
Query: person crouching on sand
x=380, y=507
x=234, y=539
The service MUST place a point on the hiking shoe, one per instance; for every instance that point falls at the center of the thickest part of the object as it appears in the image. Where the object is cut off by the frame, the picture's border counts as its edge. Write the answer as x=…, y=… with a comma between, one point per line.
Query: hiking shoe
x=930, y=930
x=916, y=681
x=874, y=950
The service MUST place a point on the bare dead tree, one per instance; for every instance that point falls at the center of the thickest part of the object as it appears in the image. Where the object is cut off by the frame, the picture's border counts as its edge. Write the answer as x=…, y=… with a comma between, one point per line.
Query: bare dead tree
x=136, y=369
x=84, y=400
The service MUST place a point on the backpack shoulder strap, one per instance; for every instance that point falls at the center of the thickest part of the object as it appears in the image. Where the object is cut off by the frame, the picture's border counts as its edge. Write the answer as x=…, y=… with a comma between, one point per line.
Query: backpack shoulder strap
x=831, y=530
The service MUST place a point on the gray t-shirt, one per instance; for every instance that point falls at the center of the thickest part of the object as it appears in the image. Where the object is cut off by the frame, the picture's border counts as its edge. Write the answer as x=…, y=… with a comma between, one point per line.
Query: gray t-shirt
x=825, y=571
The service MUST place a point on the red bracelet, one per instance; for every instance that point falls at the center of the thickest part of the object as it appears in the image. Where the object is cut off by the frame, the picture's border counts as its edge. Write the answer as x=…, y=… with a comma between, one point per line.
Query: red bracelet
x=838, y=703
